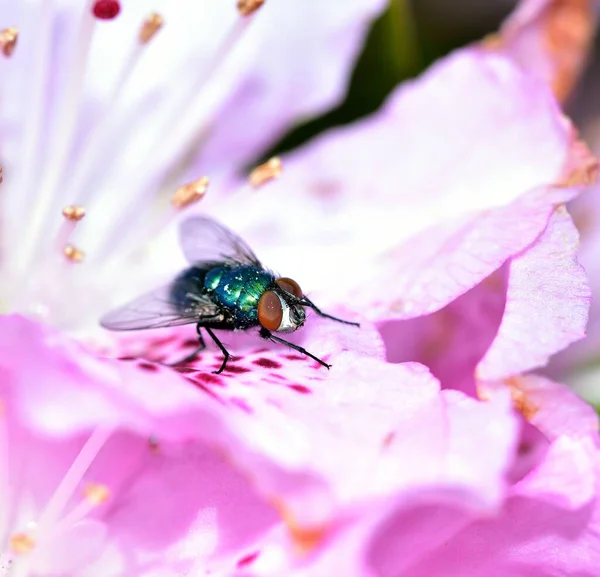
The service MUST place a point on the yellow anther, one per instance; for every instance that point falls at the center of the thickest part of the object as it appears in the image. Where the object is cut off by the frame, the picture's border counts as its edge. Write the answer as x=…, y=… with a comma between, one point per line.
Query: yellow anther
x=22, y=543
x=96, y=493
x=8, y=41
x=247, y=7
x=73, y=253
x=74, y=213
x=266, y=172
x=190, y=193
x=153, y=23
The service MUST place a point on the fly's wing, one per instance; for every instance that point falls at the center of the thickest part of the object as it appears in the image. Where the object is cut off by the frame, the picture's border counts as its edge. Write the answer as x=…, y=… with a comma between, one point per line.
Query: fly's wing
x=158, y=309
x=204, y=240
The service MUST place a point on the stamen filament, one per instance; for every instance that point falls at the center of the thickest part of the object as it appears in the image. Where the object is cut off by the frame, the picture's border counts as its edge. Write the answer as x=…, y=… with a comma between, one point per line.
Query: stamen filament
x=80, y=511
x=101, y=134
x=5, y=497
x=71, y=480
x=48, y=198
x=180, y=129
x=32, y=128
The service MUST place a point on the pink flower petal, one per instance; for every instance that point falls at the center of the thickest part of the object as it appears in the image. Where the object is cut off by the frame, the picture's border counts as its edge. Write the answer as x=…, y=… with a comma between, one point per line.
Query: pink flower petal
x=550, y=525
x=46, y=374
x=547, y=303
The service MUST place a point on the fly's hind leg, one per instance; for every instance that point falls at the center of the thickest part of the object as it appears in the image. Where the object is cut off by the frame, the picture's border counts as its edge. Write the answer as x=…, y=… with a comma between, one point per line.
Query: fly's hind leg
x=201, y=347
x=223, y=350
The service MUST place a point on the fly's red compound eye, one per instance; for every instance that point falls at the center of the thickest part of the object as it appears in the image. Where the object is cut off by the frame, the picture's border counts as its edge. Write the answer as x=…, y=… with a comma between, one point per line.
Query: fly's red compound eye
x=289, y=285
x=270, y=311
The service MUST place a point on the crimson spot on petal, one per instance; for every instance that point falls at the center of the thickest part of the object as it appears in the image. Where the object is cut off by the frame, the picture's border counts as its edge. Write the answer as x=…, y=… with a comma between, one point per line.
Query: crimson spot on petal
x=267, y=363
x=185, y=369
x=148, y=367
x=245, y=561
x=300, y=389
x=242, y=404
x=236, y=369
x=209, y=379
x=388, y=439
x=106, y=9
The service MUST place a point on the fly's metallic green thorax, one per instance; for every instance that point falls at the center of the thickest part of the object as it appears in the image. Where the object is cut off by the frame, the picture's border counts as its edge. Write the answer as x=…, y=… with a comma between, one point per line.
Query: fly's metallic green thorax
x=238, y=289
x=235, y=290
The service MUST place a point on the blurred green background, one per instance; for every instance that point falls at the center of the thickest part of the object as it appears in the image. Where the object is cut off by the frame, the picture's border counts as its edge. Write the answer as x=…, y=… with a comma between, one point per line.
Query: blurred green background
x=404, y=41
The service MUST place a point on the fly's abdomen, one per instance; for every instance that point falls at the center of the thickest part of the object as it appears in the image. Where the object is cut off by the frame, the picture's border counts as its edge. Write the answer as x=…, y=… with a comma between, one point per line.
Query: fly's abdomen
x=186, y=286
x=238, y=289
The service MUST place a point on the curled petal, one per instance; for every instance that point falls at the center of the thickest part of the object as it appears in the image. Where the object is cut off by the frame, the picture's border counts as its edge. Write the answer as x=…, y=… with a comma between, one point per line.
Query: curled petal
x=547, y=303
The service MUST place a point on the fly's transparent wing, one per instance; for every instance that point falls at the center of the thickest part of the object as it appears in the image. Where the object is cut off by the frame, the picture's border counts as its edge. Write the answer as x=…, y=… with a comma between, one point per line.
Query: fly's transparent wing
x=205, y=240
x=157, y=309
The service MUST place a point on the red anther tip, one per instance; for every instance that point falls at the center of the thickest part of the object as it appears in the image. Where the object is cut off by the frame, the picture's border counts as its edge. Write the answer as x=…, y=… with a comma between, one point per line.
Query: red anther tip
x=106, y=9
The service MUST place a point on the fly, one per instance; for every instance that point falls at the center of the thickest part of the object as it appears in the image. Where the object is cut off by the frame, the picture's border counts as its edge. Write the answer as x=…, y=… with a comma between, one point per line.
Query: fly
x=225, y=288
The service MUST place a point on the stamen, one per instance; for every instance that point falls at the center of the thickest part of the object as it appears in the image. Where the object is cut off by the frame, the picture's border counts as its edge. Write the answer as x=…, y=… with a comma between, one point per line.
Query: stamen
x=104, y=129
x=179, y=129
x=71, y=480
x=189, y=194
x=95, y=495
x=8, y=41
x=248, y=7
x=37, y=77
x=266, y=172
x=73, y=253
x=150, y=27
x=73, y=212
x=22, y=543
x=106, y=9
x=49, y=195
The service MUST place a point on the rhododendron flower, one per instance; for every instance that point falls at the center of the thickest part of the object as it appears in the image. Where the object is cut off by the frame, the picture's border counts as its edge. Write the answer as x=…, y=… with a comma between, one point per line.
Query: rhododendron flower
x=441, y=218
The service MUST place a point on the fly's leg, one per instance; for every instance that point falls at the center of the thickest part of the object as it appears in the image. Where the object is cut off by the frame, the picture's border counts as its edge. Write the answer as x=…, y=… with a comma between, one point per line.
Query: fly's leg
x=307, y=302
x=223, y=350
x=269, y=336
x=201, y=347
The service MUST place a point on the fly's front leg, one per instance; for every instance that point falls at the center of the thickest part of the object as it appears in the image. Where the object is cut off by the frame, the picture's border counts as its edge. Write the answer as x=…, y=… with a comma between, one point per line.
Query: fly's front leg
x=308, y=303
x=269, y=336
